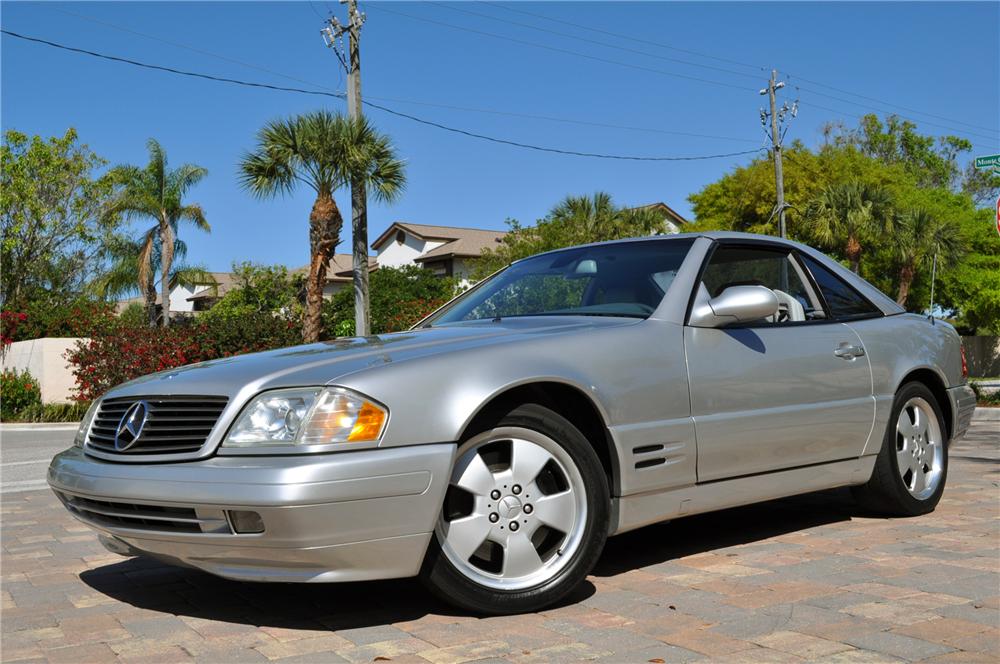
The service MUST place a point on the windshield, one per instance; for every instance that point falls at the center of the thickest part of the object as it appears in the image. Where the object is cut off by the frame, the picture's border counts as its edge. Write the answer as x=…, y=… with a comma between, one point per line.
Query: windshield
x=621, y=279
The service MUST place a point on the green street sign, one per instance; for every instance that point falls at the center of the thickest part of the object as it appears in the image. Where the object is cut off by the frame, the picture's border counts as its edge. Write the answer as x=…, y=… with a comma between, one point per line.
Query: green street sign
x=988, y=161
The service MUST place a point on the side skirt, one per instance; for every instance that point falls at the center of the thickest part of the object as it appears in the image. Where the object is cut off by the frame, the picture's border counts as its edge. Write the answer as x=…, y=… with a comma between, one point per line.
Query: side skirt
x=643, y=509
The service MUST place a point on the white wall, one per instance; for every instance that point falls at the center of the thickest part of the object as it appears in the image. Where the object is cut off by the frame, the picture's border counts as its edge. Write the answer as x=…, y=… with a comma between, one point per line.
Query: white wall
x=394, y=254
x=461, y=269
x=179, y=297
x=46, y=360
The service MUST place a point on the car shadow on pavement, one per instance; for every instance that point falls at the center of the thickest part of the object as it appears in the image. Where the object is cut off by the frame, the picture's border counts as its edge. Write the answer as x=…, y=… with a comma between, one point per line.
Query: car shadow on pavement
x=717, y=530
x=149, y=584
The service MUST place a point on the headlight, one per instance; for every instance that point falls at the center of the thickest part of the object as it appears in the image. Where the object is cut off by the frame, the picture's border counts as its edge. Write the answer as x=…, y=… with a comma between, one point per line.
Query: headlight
x=308, y=416
x=81, y=432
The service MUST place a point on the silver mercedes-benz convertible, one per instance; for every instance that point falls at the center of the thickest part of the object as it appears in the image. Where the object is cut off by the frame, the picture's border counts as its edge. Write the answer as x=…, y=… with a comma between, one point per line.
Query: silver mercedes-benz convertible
x=492, y=449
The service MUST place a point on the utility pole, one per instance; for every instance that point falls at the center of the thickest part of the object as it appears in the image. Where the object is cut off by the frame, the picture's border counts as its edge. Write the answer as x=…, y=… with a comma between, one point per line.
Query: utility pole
x=776, y=117
x=359, y=194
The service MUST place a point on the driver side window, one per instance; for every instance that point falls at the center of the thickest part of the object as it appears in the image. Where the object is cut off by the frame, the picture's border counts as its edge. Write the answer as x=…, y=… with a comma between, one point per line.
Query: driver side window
x=775, y=269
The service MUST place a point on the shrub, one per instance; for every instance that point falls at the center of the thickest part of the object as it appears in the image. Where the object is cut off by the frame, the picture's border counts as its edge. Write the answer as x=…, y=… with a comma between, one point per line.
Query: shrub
x=18, y=390
x=134, y=315
x=52, y=318
x=122, y=352
x=52, y=412
x=399, y=298
x=984, y=397
x=10, y=321
x=260, y=289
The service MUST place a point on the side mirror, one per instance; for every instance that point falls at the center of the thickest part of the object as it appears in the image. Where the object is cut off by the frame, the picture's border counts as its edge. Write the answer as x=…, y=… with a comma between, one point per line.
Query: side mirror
x=736, y=304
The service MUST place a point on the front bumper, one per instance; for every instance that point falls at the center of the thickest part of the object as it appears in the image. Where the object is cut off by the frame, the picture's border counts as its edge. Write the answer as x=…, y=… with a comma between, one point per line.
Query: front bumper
x=336, y=517
x=963, y=405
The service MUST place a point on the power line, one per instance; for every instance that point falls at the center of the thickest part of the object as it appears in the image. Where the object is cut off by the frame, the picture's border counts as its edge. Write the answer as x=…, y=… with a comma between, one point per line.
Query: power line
x=171, y=70
x=188, y=47
x=549, y=118
x=556, y=150
x=885, y=112
x=451, y=7
x=886, y=103
x=736, y=62
x=490, y=111
x=811, y=104
x=556, y=49
x=340, y=95
x=621, y=36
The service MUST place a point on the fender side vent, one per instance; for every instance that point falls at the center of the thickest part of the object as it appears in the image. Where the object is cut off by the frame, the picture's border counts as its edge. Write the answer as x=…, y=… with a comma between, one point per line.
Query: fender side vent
x=649, y=463
x=646, y=449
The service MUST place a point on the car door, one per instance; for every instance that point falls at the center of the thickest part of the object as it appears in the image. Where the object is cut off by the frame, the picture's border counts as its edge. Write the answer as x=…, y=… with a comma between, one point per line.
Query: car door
x=775, y=394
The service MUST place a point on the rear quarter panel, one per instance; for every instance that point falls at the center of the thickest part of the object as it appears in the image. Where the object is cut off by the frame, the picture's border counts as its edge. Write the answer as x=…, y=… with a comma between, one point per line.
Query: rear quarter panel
x=898, y=345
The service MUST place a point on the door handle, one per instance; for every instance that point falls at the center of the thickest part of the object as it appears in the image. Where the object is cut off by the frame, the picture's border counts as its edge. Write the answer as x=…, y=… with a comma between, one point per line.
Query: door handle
x=849, y=351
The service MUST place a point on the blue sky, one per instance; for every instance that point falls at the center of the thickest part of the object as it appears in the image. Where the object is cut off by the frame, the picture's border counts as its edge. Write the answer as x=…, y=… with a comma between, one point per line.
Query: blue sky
x=941, y=59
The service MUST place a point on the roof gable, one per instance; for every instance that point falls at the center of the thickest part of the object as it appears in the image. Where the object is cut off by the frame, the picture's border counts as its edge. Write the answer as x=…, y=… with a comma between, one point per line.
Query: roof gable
x=428, y=232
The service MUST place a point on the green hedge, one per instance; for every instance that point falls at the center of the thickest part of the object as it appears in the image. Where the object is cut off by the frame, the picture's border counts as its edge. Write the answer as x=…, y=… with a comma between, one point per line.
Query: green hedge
x=51, y=412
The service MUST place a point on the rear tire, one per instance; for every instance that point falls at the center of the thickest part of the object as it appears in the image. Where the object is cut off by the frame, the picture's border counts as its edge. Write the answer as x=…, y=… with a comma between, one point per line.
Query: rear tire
x=912, y=465
x=525, y=518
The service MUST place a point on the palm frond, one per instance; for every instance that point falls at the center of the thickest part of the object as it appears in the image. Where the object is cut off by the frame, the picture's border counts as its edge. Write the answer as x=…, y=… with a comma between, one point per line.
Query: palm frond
x=194, y=214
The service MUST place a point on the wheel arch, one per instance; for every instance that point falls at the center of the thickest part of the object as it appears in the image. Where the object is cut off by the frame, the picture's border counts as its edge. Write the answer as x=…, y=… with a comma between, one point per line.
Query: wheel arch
x=564, y=398
x=933, y=381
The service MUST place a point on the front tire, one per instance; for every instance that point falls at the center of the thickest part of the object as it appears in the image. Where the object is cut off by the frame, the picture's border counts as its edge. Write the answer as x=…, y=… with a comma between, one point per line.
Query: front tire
x=912, y=466
x=525, y=517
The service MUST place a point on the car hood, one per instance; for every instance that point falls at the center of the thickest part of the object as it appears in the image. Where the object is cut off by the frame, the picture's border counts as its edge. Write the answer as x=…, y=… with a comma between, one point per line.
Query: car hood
x=327, y=362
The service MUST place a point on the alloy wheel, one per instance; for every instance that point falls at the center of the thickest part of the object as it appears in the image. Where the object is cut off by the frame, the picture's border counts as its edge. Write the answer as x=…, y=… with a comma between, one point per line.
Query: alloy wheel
x=515, y=511
x=919, y=448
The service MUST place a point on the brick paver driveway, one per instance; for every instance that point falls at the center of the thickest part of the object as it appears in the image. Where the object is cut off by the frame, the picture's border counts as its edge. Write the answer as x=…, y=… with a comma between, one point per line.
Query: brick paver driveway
x=802, y=578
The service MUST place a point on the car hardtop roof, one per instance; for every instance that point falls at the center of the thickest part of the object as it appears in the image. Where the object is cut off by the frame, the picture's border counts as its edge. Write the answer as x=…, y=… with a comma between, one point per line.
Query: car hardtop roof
x=885, y=303
x=714, y=235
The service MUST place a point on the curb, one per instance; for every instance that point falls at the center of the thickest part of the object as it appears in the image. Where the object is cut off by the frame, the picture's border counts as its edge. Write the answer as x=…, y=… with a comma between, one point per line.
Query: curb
x=39, y=426
x=982, y=414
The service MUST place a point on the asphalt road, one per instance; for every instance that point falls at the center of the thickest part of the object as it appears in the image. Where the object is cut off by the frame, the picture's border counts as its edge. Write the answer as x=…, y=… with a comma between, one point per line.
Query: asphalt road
x=25, y=453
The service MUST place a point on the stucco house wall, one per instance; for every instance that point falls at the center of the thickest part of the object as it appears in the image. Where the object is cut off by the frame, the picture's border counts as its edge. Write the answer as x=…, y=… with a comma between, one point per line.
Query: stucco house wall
x=395, y=254
x=46, y=360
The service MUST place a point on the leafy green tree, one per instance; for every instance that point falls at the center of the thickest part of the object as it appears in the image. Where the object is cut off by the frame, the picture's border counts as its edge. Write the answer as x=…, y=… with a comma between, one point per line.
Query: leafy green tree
x=971, y=288
x=401, y=296
x=575, y=220
x=323, y=151
x=157, y=192
x=934, y=161
x=260, y=289
x=916, y=171
x=919, y=237
x=848, y=216
x=53, y=218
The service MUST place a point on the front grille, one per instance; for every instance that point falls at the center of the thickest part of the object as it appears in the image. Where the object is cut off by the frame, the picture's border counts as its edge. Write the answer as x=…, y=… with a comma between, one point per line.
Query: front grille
x=143, y=517
x=174, y=424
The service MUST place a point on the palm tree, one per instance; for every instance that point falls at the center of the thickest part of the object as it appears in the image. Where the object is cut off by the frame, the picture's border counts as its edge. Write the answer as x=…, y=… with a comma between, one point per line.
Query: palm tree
x=919, y=236
x=156, y=192
x=324, y=151
x=596, y=218
x=846, y=215
x=126, y=273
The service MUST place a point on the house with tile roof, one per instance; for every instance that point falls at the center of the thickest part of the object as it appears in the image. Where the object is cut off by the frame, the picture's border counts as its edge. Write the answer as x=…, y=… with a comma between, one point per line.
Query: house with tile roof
x=445, y=250
x=187, y=298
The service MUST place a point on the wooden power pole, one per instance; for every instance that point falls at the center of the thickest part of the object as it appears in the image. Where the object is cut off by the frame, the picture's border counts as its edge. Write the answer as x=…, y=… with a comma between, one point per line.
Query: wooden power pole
x=776, y=117
x=359, y=193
